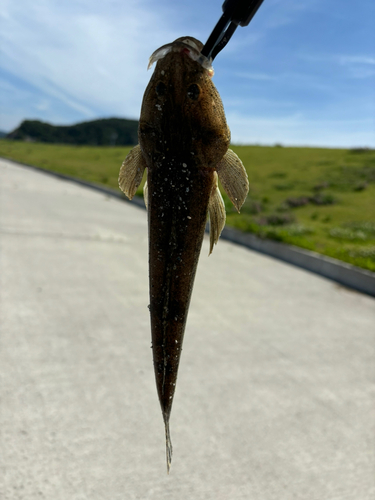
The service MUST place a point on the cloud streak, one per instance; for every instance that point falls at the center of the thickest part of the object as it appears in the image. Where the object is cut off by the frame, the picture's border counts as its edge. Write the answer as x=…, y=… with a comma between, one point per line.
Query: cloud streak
x=83, y=55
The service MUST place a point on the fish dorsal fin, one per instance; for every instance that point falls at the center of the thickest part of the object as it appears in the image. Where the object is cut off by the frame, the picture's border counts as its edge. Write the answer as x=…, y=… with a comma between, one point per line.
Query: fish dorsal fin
x=233, y=177
x=131, y=172
x=216, y=210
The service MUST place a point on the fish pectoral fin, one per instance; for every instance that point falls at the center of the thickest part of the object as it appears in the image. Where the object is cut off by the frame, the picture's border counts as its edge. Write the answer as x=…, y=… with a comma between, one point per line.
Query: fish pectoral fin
x=216, y=210
x=131, y=172
x=145, y=194
x=233, y=177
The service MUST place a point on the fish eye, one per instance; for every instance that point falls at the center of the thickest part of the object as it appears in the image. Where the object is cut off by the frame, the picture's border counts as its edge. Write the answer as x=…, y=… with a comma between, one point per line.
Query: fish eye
x=193, y=91
x=161, y=89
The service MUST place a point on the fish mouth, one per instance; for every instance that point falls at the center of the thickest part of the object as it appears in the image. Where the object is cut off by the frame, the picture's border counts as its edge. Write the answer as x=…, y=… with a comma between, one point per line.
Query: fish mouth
x=186, y=46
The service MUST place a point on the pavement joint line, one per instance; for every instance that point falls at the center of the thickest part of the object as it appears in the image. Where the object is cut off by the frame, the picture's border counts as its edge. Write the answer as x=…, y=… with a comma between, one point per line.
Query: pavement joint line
x=355, y=278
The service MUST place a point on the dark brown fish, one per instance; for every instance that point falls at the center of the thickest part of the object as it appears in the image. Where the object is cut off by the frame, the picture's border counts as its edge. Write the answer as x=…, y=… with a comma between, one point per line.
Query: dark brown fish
x=183, y=143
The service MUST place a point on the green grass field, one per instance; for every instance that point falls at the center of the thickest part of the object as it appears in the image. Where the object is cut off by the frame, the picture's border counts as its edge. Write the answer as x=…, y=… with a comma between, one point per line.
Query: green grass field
x=319, y=199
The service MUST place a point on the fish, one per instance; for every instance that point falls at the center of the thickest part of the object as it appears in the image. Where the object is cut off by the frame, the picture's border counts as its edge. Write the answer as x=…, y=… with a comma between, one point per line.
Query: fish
x=184, y=147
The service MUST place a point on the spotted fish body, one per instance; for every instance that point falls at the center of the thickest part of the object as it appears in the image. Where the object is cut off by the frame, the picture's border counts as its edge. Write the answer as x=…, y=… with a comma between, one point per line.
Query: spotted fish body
x=183, y=144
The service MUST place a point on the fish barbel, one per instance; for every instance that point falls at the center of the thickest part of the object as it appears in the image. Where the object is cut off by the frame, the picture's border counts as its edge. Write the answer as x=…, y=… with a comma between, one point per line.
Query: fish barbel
x=183, y=144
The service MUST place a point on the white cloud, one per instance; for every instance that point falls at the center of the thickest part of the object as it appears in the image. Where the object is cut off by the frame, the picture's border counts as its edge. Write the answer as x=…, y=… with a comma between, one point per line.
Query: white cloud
x=91, y=57
x=353, y=66
x=357, y=60
x=359, y=66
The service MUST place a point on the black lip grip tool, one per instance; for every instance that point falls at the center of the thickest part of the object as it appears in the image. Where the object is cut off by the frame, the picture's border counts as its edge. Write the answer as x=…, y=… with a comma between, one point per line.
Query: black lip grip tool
x=235, y=13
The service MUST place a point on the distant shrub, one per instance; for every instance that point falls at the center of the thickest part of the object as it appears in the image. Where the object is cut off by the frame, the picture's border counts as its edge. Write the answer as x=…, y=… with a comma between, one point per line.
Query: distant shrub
x=359, y=150
x=285, y=233
x=349, y=177
x=276, y=220
x=365, y=252
x=297, y=202
x=323, y=199
x=320, y=186
x=366, y=226
x=283, y=207
x=299, y=230
x=345, y=233
x=360, y=186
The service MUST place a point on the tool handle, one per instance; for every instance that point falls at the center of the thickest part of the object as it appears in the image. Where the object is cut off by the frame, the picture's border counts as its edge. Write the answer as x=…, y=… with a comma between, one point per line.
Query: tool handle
x=235, y=13
x=241, y=12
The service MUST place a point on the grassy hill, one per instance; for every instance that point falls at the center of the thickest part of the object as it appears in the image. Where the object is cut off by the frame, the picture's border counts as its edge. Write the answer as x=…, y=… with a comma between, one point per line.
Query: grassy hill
x=104, y=132
x=315, y=198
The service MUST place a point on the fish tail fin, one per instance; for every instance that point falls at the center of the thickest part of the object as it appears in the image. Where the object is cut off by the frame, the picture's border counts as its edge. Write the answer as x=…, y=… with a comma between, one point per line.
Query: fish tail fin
x=168, y=444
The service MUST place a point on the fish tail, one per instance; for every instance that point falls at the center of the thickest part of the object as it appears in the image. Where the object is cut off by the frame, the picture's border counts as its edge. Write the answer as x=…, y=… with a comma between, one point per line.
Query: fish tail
x=168, y=444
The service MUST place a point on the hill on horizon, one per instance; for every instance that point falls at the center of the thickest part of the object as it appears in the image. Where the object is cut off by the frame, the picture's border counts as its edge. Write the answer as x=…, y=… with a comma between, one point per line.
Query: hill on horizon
x=102, y=132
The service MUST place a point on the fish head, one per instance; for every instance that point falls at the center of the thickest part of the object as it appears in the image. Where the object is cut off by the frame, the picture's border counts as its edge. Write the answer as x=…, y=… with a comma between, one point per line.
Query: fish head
x=182, y=112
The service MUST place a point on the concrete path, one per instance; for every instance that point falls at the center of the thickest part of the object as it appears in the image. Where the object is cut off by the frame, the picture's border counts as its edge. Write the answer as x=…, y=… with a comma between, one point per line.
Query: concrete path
x=276, y=390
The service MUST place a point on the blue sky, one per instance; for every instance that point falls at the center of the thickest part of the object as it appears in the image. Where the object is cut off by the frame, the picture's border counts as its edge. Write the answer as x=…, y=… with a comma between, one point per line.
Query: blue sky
x=302, y=72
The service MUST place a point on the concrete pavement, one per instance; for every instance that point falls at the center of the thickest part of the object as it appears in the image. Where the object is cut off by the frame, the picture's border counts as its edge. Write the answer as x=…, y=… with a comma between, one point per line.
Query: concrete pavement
x=276, y=390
